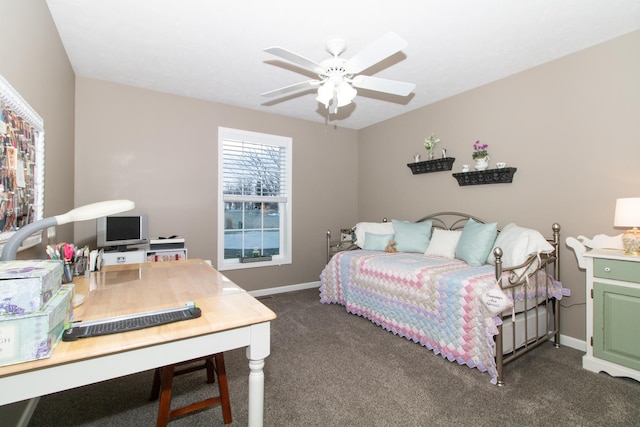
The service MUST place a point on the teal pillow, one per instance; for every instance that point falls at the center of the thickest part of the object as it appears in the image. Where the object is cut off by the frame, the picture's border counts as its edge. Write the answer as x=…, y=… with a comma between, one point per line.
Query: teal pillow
x=376, y=242
x=476, y=242
x=412, y=236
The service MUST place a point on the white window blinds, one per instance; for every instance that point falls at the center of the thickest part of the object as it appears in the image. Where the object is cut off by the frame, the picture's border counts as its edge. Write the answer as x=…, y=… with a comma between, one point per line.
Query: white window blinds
x=254, y=171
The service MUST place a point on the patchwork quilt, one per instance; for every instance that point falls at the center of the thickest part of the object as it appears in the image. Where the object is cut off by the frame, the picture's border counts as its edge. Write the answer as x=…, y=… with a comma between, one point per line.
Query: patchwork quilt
x=434, y=301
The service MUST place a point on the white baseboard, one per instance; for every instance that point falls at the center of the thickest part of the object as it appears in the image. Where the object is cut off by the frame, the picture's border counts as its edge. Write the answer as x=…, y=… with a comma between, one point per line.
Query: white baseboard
x=282, y=289
x=565, y=340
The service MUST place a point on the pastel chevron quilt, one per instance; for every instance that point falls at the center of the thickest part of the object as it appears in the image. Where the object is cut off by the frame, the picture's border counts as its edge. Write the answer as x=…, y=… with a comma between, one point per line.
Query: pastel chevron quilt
x=433, y=301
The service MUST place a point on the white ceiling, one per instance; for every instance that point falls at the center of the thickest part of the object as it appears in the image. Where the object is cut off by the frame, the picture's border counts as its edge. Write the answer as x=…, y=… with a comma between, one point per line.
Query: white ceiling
x=212, y=50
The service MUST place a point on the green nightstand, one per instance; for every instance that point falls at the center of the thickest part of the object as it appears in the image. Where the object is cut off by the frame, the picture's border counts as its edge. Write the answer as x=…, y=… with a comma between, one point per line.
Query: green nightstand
x=613, y=313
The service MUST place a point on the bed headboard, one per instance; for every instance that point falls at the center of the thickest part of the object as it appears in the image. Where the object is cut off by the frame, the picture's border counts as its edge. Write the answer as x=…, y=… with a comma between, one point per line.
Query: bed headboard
x=450, y=220
x=457, y=221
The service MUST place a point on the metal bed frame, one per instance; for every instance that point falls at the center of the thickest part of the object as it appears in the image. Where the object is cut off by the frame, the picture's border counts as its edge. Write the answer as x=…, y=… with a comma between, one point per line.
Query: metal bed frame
x=517, y=275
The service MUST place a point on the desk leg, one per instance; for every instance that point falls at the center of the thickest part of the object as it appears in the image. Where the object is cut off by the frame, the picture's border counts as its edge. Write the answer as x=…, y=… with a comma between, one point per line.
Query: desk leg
x=257, y=351
x=256, y=393
x=18, y=414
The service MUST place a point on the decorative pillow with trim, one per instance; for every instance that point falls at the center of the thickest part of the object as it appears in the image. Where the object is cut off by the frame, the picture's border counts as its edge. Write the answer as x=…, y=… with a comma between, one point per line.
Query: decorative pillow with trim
x=517, y=244
x=411, y=236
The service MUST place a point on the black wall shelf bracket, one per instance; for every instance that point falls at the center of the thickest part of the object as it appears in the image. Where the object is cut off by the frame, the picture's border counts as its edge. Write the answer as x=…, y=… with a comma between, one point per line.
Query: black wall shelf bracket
x=435, y=165
x=490, y=176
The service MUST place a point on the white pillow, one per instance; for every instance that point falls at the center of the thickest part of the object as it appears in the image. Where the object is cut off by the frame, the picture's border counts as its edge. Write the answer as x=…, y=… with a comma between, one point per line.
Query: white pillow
x=443, y=243
x=371, y=227
x=517, y=244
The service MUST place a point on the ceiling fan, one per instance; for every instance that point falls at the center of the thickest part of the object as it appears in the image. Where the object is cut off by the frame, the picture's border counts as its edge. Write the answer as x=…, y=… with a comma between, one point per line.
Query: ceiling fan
x=339, y=77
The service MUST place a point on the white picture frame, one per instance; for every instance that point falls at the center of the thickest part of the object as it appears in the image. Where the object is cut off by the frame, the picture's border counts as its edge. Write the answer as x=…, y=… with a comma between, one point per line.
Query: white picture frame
x=21, y=165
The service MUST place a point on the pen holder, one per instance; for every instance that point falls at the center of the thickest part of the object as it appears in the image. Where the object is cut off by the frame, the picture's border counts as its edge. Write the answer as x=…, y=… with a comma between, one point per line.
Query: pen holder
x=68, y=273
x=80, y=266
x=76, y=268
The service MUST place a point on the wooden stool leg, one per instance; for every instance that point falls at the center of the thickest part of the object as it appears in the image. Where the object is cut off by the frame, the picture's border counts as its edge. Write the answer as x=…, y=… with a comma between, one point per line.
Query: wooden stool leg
x=163, y=381
x=223, y=388
x=166, y=380
x=210, y=367
x=155, y=388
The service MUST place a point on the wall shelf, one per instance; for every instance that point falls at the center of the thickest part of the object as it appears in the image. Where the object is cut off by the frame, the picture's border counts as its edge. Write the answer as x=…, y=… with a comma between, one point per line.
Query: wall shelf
x=490, y=176
x=436, y=165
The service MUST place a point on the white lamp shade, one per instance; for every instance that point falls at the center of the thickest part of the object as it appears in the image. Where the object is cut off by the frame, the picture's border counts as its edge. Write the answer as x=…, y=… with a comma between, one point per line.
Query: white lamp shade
x=627, y=212
x=340, y=90
x=325, y=93
x=346, y=93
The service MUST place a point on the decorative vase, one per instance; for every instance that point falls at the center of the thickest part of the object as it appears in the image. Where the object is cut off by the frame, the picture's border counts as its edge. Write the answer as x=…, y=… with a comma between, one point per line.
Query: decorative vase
x=430, y=154
x=482, y=163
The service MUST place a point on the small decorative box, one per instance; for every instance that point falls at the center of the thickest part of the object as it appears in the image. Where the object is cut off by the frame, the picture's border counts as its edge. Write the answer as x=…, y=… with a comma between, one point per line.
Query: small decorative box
x=26, y=286
x=35, y=336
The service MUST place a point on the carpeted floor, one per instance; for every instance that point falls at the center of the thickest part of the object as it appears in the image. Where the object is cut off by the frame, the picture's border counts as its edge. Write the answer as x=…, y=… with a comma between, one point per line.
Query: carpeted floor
x=331, y=368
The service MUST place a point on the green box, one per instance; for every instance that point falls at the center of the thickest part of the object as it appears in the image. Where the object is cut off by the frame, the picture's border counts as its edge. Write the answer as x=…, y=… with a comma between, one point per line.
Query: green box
x=34, y=336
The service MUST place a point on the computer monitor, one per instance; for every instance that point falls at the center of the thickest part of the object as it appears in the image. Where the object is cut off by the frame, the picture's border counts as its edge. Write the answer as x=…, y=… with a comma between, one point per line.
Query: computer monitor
x=119, y=231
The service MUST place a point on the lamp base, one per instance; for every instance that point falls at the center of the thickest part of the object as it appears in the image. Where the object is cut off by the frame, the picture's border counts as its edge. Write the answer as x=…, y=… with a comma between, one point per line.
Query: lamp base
x=78, y=299
x=631, y=242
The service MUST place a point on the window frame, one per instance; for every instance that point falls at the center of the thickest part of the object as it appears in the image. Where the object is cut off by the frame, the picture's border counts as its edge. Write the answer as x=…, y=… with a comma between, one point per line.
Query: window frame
x=284, y=257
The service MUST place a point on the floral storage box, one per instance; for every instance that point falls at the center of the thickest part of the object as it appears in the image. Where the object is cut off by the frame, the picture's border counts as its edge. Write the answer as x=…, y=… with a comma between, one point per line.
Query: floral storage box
x=26, y=286
x=25, y=337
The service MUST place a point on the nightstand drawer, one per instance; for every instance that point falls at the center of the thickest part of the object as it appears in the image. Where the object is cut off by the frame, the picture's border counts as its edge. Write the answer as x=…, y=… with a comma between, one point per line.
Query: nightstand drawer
x=628, y=271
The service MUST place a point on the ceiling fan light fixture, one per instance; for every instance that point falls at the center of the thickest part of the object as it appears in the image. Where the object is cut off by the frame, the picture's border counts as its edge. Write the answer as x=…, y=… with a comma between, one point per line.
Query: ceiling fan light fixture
x=346, y=93
x=333, y=96
x=339, y=77
x=326, y=93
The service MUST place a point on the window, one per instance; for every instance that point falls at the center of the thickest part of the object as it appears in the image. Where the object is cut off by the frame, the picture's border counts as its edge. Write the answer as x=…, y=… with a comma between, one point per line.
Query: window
x=254, y=193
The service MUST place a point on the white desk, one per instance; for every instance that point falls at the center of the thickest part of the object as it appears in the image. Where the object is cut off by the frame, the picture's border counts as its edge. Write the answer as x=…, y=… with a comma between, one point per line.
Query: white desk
x=231, y=318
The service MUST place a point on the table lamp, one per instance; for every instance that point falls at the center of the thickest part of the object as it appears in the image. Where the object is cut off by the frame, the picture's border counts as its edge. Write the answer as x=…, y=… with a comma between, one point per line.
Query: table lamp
x=628, y=215
x=82, y=213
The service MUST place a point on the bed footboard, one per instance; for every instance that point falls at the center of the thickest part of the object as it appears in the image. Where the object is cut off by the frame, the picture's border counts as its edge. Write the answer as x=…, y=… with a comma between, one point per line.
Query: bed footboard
x=543, y=321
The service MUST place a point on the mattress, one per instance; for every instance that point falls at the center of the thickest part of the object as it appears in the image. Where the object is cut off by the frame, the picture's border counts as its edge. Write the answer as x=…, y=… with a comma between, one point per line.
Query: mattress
x=433, y=301
x=544, y=326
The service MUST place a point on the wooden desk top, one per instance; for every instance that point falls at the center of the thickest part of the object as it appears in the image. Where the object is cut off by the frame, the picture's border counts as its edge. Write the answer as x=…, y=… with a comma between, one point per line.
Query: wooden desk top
x=135, y=288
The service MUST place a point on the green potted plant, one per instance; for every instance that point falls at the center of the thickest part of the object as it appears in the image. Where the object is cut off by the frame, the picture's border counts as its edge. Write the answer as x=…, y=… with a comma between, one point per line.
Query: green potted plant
x=430, y=143
x=481, y=156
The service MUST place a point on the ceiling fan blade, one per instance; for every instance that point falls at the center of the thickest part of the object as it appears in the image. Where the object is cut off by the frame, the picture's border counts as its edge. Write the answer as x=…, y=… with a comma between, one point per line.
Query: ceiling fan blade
x=294, y=58
x=379, y=50
x=383, y=85
x=292, y=88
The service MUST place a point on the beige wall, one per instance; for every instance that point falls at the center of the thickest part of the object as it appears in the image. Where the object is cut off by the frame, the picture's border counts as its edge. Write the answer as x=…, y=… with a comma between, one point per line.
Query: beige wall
x=160, y=151
x=571, y=128
x=36, y=65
